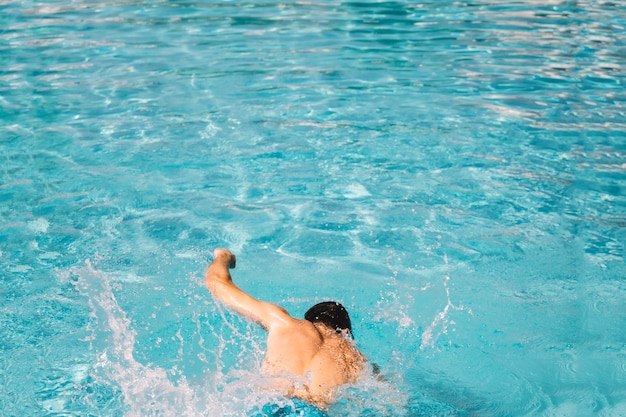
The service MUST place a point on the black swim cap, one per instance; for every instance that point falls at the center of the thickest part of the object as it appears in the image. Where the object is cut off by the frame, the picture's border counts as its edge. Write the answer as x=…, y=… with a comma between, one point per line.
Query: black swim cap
x=331, y=314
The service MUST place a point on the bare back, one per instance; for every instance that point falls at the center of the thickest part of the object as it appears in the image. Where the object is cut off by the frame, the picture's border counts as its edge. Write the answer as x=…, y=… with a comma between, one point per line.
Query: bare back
x=311, y=361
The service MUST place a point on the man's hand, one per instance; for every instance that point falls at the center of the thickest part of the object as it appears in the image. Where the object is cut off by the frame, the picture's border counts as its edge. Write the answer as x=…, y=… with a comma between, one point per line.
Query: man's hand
x=224, y=256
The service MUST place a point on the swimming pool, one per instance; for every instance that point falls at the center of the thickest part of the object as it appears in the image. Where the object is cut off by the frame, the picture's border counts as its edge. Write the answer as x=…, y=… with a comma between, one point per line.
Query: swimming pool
x=454, y=173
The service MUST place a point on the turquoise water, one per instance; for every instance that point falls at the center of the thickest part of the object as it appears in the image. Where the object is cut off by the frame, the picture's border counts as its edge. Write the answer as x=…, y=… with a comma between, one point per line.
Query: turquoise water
x=454, y=173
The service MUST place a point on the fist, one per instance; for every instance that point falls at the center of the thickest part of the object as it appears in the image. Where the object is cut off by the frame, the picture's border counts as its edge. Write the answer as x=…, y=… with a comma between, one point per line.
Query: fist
x=227, y=256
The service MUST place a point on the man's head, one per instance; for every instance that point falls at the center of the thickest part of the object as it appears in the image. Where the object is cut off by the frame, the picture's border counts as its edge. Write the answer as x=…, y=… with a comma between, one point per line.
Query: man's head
x=330, y=314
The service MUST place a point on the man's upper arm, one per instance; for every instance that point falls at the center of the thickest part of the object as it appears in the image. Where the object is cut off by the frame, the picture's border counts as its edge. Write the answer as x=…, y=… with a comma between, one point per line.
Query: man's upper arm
x=266, y=314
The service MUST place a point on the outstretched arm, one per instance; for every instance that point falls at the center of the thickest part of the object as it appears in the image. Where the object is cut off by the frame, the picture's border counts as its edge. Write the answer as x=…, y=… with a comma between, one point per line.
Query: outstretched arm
x=220, y=284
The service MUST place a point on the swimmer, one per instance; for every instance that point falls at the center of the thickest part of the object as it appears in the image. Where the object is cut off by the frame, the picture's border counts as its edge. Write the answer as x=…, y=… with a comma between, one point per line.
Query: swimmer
x=307, y=359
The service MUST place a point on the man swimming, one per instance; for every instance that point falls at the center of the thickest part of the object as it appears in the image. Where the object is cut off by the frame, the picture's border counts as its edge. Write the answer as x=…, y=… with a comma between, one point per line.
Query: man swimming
x=306, y=359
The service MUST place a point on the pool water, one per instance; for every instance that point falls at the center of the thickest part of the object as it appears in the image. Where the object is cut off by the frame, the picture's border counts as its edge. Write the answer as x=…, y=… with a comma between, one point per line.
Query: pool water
x=454, y=173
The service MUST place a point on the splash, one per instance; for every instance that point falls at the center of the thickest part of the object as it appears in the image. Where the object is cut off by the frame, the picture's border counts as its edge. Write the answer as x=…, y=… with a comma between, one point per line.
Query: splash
x=394, y=304
x=147, y=391
x=441, y=321
x=372, y=395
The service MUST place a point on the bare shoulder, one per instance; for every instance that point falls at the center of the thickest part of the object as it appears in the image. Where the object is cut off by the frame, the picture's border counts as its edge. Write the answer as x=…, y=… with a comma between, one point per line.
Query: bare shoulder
x=275, y=317
x=294, y=338
x=292, y=327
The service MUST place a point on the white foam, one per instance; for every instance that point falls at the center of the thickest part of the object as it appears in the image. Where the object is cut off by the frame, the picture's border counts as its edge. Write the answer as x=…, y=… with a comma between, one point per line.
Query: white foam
x=356, y=190
x=371, y=395
x=50, y=255
x=39, y=225
x=21, y=269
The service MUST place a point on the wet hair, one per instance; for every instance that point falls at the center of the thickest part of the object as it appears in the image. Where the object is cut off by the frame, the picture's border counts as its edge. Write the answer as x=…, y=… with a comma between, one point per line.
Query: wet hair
x=331, y=314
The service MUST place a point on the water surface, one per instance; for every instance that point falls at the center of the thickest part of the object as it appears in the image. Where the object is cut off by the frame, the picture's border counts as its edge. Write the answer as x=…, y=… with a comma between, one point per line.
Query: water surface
x=454, y=173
